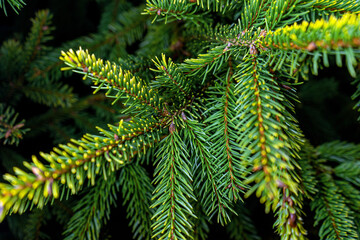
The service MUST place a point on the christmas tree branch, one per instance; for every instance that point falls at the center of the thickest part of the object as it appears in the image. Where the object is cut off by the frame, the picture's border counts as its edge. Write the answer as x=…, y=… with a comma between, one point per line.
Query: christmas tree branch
x=136, y=191
x=70, y=164
x=222, y=135
x=14, y=4
x=173, y=211
x=10, y=130
x=91, y=211
x=336, y=6
x=207, y=174
x=334, y=34
x=111, y=77
x=172, y=79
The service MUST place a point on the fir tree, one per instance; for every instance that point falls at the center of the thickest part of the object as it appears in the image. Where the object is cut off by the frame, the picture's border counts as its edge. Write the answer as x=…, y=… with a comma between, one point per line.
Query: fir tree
x=207, y=98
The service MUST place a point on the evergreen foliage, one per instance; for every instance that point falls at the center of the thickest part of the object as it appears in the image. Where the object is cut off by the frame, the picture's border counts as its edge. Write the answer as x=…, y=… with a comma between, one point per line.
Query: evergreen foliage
x=14, y=4
x=23, y=83
x=205, y=92
x=11, y=131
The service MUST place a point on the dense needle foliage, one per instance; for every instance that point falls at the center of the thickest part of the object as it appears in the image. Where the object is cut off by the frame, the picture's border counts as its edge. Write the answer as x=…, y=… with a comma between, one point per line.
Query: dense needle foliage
x=202, y=117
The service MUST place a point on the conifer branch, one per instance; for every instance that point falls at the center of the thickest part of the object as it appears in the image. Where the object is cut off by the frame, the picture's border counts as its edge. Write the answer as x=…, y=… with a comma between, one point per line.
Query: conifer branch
x=51, y=94
x=215, y=125
x=232, y=185
x=330, y=208
x=212, y=61
x=14, y=4
x=252, y=11
x=226, y=35
x=10, y=130
x=70, y=162
x=136, y=191
x=289, y=223
x=255, y=88
x=207, y=176
x=39, y=34
x=267, y=142
x=222, y=135
x=175, y=10
x=307, y=174
x=334, y=192
x=172, y=79
x=92, y=210
x=341, y=152
x=127, y=29
x=219, y=5
x=109, y=76
x=352, y=196
x=138, y=66
x=172, y=193
x=282, y=13
x=321, y=35
x=337, y=36
x=336, y=6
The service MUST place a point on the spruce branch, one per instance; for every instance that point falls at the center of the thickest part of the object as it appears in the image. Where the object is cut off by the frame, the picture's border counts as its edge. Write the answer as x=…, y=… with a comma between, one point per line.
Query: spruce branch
x=352, y=196
x=172, y=193
x=112, y=78
x=171, y=79
x=215, y=125
x=206, y=174
x=38, y=35
x=128, y=27
x=322, y=34
x=209, y=62
x=10, y=56
x=93, y=209
x=289, y=222
x=219, y=5
x=341, y=152
x=139, y=66
x=194, y=11
x=337, y=36
x=51, y=94
x=270, y=146
x=336, y=191
x=10, y=130
x=282, y=13
x=336, y=6
x=347, y=156
x=169, y=11
x=253, y=12
x=223, y=134
x=136, y=190
x=331, y=211
x=112, y=11
x=70, y=164
x=14, y=4
x=309, y=181
x=262, y=126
